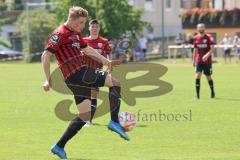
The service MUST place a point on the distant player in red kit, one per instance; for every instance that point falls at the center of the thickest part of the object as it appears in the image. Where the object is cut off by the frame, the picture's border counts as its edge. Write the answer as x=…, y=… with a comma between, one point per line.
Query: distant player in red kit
x=203, y=50
x=101, y=45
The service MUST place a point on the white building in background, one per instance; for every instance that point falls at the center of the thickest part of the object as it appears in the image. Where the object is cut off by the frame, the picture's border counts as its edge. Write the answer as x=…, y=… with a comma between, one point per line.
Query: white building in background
x=7, y=31
x=167, y=12
x=230, y=4
x=9, y=28
x=212, y=4
x=160, y=13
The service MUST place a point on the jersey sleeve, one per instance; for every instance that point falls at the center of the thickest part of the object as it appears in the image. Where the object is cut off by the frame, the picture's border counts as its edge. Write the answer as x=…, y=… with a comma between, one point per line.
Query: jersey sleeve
x=107, y=48
x=211, y=41
x=54, y=42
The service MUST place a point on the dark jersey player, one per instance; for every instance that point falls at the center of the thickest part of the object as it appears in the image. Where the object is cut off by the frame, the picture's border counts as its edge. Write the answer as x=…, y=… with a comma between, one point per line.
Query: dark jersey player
x=66, y=44
x=101, y=45
x=203, y=50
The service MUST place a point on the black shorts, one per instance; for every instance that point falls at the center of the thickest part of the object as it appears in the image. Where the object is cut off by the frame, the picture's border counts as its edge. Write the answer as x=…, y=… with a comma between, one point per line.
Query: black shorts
x=205, y=68
x=82, y=82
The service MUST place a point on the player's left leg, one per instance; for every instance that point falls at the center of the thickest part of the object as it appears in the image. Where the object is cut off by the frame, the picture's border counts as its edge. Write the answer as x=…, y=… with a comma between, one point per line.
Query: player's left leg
x=74, y=127
x=115, y=101
x=211, y=85
x=105, y=79
x=199, y=69
x=78, y=84
x=197, y=84
x=208, y=73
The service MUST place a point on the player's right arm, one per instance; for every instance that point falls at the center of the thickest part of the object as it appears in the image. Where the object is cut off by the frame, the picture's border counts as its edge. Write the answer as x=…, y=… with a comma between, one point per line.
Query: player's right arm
x=108, y=51
x=98, y=57
x=46, y=56
x=52, y=47
x=205, y=58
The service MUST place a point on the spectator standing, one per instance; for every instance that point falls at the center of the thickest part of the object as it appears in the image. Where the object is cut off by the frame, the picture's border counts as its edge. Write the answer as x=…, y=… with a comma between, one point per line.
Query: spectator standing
x=236, y=42
x=227, y=50
x=143, y=45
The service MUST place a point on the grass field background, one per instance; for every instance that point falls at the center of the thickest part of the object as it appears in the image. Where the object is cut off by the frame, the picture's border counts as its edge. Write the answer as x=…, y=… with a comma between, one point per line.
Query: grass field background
x=29, y=127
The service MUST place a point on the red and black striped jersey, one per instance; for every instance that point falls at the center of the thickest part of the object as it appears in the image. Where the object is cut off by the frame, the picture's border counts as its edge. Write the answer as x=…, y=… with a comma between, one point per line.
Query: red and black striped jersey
x=202, y=46
x=66, y=46
x=102, y=47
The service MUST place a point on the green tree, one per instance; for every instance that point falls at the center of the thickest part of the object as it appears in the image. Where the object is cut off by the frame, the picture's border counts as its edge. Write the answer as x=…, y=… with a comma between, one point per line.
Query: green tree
x=39, y=25
x=116, y=17
x=3, y=6
x=2, y=22
x=17, y=5
x=4, y=42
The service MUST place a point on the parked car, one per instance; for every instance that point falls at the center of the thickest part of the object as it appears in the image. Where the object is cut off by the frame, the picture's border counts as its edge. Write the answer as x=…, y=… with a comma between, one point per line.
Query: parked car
x=9, y=54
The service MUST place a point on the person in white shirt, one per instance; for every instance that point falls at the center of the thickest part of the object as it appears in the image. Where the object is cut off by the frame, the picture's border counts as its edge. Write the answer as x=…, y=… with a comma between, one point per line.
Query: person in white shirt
x=143, y=44
x=227, y=50
x=180, y=40
x=236, y=42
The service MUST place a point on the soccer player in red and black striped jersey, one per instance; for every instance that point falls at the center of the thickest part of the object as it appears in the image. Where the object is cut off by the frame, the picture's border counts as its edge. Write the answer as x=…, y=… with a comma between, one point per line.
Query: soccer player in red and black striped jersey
x=66, y=44
x=101, y=45
x=202, y=59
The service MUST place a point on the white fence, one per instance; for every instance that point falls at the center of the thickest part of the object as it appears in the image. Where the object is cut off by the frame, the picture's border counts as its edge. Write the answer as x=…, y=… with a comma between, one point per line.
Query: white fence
x=175, y=47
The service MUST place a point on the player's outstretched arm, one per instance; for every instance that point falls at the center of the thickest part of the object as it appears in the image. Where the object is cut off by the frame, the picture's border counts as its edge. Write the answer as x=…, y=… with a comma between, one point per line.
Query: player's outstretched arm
x=46, y=67
x=98, y=57
x=109, y=56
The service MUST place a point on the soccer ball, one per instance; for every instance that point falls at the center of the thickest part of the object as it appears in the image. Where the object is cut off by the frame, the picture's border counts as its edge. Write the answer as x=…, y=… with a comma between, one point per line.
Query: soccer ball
x=127, y=120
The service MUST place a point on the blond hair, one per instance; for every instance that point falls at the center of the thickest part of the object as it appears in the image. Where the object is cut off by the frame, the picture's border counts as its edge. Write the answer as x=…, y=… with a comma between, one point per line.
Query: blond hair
x=76, y=12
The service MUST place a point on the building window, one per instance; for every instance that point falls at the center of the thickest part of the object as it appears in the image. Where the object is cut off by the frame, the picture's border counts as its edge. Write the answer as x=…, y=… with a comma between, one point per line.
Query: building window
x=186, y=4
x=148, y=5
x=168, y=4
x=211, y=3
x=219, y=4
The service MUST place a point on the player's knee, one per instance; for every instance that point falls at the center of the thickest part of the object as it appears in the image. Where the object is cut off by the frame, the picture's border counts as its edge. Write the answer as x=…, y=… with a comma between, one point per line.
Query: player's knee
x=209, y=78
x=116, y=82
x=85, y=116
x=110, y=81
x=84, y=109
x=198, y=76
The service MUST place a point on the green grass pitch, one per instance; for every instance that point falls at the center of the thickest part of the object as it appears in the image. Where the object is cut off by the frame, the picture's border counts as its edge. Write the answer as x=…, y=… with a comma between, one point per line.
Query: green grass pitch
x=29, y=127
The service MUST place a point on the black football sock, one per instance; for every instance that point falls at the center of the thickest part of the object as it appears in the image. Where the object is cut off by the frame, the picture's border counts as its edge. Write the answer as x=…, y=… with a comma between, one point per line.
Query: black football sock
x=73, y=128
x=198, y=87
x=93, y=108
x=211, y=84
x=115, y=101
